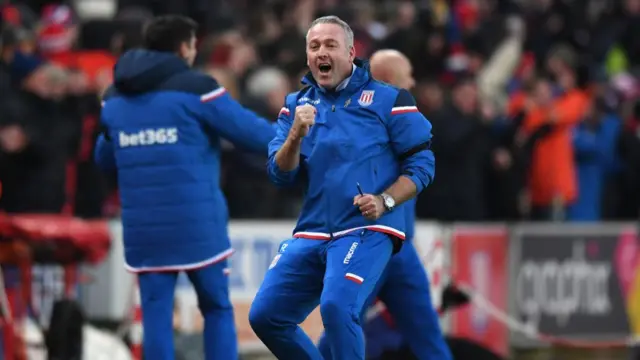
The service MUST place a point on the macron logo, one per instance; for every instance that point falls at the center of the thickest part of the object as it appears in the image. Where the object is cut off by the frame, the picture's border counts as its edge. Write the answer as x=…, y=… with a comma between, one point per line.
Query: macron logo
x=147, y=137
x=306, y=100
x=347, y=258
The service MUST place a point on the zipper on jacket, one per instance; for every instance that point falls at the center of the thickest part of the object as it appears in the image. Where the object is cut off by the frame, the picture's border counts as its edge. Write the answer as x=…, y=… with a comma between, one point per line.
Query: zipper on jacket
x=330, y=225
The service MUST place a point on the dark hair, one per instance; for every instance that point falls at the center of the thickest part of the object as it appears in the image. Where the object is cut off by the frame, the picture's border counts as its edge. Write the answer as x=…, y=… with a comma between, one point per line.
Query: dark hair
x=167, y=33
x=462, y=79
x=8, y=36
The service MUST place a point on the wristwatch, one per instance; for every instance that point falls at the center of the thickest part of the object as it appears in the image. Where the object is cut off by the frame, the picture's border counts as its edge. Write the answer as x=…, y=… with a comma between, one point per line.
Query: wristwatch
x=388, y=202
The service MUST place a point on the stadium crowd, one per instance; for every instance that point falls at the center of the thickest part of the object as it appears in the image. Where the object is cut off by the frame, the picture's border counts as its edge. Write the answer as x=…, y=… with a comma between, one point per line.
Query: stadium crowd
x=534, y=103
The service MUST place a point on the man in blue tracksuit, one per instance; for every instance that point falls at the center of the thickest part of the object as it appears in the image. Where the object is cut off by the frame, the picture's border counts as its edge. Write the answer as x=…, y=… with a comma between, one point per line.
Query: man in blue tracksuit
x=362, y=149
x=162, y=128
x=404, y=286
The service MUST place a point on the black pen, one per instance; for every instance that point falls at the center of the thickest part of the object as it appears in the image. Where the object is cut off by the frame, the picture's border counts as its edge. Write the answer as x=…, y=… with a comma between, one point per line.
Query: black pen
x=361, y=194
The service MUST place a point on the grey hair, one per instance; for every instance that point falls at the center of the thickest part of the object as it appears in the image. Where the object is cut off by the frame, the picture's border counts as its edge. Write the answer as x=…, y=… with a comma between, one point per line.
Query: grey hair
x=332, y=19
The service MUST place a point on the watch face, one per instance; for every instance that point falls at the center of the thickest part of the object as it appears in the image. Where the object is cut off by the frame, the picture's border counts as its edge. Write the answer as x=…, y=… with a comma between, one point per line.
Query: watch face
x=389, y=202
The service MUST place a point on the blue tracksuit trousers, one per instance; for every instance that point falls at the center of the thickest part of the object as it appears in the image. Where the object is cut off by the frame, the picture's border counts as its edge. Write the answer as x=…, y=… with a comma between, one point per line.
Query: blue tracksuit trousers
x=339, y=275
x=404, y=289
x=157, y=291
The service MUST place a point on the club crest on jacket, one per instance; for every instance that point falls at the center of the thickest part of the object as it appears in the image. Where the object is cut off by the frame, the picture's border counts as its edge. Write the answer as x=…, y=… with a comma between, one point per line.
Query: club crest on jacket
x=366, y=98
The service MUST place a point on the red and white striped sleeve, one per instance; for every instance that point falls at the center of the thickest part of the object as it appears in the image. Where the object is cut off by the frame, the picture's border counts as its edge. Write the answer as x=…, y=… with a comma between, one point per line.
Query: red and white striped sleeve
x=213, y=94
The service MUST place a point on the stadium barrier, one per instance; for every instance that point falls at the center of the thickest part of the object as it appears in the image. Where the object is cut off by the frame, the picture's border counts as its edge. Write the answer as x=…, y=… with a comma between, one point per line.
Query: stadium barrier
x=28, y=242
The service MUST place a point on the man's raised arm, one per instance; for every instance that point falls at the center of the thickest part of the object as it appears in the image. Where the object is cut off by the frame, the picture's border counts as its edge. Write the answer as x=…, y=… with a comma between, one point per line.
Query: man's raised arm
x=232, y=121
x=284, y=149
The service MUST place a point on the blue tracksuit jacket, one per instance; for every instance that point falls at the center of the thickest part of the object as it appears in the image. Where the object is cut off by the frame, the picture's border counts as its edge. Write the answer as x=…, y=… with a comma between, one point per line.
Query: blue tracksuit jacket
x=596, y=159
x=163, y=123
x=370, y=133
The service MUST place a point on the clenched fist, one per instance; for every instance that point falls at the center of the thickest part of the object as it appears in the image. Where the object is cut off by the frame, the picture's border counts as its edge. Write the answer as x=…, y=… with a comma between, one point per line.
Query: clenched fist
x=370, y=206
x=305, y=117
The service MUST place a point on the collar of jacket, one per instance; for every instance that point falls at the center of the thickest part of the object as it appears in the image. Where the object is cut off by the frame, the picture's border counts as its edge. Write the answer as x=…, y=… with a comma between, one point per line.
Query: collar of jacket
x=344, y=82
x=359, y=77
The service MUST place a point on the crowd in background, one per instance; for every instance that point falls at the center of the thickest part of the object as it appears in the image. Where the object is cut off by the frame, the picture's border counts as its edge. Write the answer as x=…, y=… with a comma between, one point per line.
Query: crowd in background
x=534, y=103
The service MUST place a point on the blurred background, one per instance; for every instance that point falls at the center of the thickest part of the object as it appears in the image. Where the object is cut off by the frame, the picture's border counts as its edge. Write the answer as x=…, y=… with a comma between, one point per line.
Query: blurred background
x=536, y=120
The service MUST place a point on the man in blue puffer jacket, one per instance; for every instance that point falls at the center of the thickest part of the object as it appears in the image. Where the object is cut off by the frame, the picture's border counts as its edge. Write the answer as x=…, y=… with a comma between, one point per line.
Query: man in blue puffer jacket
x=162, y=128
x=362, y=148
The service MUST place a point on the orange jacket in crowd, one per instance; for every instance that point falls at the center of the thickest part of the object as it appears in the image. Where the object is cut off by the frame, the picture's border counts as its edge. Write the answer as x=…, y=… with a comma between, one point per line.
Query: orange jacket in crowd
x=91, y=63
x=552, y=170
x=516, y=103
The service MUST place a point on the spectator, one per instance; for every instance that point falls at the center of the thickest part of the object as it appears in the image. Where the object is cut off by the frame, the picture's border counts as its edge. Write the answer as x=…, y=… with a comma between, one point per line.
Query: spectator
x=594, y=141
x=630, y=157
x=461, y=147
x=430, y=97
x=552, y=174
x=35, y=139
x=266, y=88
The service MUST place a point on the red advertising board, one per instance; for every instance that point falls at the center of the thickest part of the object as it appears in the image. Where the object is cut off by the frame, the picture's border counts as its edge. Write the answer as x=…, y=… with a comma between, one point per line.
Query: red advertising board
x=480, y=260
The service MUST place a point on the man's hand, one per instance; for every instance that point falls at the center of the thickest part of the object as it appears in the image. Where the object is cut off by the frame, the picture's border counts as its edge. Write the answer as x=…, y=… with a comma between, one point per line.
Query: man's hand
x=288, y=157
x=12, y=139
x=305, y=118
x=371, y=206
x=502, y=159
